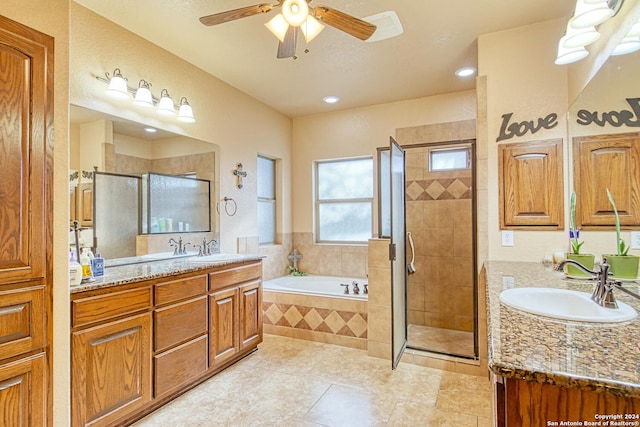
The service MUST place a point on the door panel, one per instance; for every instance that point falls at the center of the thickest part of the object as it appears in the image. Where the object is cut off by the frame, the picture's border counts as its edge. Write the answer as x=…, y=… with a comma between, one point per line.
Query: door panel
x=397, y=255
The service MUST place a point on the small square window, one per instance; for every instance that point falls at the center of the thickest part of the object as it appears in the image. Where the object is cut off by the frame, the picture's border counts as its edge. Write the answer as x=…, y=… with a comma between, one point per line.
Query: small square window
x=449, y=159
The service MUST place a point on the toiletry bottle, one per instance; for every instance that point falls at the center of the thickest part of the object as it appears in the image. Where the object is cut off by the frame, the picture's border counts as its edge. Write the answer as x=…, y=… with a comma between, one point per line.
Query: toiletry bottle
x=97, y=265
x=85, y=261
x=75, y=270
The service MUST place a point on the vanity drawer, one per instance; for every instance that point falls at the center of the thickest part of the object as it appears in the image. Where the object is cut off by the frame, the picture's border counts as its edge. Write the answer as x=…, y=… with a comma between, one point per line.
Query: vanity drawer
x=234, y=276
x=102, y=307
x=178, y=323
x=177, y=290
x=180, y=365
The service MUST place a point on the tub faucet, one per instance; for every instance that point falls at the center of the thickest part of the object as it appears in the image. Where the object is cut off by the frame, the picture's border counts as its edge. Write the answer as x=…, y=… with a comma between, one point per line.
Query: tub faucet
x=356, y=289
x=603, y=289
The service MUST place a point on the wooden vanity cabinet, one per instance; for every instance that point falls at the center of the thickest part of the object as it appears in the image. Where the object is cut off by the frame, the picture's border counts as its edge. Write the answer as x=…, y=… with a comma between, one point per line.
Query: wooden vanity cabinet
x=179, y=333
x=521, y=403
x=136, y=347
x=111, y=355
x=235, y=311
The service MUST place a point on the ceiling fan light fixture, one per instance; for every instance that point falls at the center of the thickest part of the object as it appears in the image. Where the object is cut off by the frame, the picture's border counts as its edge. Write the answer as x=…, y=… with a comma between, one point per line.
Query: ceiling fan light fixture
x=579, y=37
x=165, y=106
x=295, y=12
x=627, y=45
x=278, y=26
x=311, y=28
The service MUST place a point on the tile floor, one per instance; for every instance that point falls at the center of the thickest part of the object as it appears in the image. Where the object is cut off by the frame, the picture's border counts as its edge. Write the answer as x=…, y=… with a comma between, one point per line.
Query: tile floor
x=290, y=382
x=440, y=339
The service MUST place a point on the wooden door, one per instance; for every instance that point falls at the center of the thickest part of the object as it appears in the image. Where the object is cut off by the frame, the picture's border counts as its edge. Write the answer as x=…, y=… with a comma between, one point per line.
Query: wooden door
x=250, y=314
x=110, y=370
x=26, y=160
x=223, y=326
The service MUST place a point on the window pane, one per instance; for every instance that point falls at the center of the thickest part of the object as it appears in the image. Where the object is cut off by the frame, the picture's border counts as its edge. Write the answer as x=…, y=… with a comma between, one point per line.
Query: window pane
x=266, y=222
x=349, y=222
x=266, y=178
x=442, y=160
x=346, y=179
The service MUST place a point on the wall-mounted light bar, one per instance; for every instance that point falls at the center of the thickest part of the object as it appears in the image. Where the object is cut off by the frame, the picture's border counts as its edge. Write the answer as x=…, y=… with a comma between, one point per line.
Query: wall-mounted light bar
x=142, y=96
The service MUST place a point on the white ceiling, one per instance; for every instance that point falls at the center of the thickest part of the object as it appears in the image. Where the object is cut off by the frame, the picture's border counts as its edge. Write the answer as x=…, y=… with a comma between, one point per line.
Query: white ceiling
x=439, y=37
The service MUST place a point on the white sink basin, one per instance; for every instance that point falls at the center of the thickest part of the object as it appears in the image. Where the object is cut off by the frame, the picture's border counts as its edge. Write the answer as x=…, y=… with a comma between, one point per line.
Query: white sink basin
x=565, y=304
x=216, y=258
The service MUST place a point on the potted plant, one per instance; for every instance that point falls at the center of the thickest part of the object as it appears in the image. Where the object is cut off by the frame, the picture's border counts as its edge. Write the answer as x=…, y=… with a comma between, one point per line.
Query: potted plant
x=576, y=244
x=622, y=265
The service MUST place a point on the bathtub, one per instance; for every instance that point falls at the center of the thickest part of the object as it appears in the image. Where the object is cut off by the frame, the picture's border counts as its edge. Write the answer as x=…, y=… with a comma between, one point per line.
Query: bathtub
x=315, y=308
x=316, y=285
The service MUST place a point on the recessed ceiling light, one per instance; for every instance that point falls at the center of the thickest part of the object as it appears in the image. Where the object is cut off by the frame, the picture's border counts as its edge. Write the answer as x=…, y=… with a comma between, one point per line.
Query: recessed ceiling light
x=331, y=99
x=150, y=130
x=465, y=71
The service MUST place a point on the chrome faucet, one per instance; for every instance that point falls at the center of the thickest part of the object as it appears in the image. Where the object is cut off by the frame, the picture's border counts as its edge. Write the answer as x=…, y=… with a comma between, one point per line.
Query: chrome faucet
x=205, y=248
x=179, y=248
x=356, y=289
x=603, y=289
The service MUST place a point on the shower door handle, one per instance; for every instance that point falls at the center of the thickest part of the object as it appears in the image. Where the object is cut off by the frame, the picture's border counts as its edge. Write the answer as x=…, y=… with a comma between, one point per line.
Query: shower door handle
x=392, y=251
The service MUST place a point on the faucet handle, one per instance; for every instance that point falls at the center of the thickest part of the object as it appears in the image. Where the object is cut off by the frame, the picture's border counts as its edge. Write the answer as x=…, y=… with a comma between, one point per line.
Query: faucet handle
x=346, y=287
x=366, y=288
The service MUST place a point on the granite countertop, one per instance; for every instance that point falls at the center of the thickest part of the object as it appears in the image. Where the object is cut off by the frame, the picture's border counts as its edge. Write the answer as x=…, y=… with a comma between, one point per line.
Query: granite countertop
x=601, y=357
x=135, y=272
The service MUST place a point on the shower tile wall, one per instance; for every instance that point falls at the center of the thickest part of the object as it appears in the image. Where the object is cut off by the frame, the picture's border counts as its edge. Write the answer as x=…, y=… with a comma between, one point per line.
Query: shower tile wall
x=439, y=217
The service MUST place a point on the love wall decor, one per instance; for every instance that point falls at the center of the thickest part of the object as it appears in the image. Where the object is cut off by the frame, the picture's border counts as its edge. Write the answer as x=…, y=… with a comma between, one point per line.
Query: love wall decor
x=509, y=128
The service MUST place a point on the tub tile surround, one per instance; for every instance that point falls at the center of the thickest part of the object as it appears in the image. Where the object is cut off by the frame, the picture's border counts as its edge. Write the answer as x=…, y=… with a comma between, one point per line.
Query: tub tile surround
x=330, y=260
x=323, y=319
x=291, y=382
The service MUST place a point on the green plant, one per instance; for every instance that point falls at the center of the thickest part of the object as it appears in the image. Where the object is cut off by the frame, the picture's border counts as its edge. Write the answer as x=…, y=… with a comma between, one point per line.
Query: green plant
x=622, y=247
x=574, y=233
x=294, y=271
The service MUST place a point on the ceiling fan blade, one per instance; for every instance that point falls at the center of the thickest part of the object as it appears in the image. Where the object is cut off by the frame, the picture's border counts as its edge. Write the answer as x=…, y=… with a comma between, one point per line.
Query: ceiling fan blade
x=230, y=15
x=287, y=49
x=344, y=22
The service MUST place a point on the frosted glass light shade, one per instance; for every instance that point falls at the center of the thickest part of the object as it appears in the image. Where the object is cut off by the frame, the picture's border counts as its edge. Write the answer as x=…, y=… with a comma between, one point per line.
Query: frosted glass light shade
x=580, y=37
x=278, y=26
x=311, y=28
x=627, y=45
x=118, y=86
x=143, y=95
x=569, y=55
x=295, y=12
x=590, y=14
x=165, y=106
x=185, y=113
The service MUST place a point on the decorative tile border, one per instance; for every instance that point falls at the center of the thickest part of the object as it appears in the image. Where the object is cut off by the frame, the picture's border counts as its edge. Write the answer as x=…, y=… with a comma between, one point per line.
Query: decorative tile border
x=440, y=189
x=325, y=320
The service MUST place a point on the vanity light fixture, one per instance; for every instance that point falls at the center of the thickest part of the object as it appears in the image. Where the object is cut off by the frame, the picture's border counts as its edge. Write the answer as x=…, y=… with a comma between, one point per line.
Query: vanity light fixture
x=118, y=88
x=165, y=105
x=117, y=85
x=579, y=37
x=185, y=113
x=568, y=55
x=627, y=45
x=143, y=94
x=590, y=13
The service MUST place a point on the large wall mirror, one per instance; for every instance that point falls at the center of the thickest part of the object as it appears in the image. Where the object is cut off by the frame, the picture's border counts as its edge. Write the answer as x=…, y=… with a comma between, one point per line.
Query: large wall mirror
x=112, y=157
x=604, y=131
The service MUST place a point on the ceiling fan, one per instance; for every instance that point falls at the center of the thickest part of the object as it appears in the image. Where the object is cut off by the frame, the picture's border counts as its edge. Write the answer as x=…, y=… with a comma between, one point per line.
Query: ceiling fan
x=296, y=14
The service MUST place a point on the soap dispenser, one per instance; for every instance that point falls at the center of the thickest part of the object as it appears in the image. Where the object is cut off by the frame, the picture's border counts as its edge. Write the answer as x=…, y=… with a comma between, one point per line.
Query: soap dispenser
x=75, y=270
x=85, y=261
x=97, y=265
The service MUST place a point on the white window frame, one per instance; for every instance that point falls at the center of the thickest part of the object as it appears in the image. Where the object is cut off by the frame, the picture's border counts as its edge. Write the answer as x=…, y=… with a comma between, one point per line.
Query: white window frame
x=272, y=201
x=318, y=202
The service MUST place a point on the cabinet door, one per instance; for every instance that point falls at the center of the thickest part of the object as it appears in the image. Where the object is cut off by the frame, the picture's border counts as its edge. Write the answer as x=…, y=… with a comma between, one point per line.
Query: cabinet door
x=223, y=326
x=250, y=314
x=22, y=392
x=22, y=321
x=110, y=370
x=86, y=205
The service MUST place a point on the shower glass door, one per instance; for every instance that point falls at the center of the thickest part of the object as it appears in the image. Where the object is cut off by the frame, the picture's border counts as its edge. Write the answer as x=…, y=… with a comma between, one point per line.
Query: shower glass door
x=397, y=254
